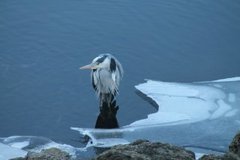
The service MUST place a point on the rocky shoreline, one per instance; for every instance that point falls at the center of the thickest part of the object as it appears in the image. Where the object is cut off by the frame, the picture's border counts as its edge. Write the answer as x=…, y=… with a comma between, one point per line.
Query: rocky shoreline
x=145, y=150
x=142, y=150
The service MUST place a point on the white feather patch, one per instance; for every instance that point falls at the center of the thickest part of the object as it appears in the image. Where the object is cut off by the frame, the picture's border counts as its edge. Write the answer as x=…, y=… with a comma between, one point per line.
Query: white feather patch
x=114, y=76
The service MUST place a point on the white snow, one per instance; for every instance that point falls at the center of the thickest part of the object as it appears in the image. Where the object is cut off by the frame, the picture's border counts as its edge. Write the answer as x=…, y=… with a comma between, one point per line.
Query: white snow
x=231, y=113
x=238, y=122
x=8, y=152
x=12, y=147
x=183, y=103
x=19, y=145
x=223, y=108
x=107, y=142
x=231, y=97
x=228, y=79
x=100, y=137
x=198, y=155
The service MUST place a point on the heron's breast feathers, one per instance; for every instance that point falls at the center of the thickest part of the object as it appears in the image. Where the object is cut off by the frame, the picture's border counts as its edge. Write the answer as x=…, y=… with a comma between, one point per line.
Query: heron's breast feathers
x=105, y=81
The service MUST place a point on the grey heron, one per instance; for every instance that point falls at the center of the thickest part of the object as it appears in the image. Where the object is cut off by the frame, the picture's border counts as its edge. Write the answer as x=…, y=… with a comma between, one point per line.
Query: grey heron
x=106, y=75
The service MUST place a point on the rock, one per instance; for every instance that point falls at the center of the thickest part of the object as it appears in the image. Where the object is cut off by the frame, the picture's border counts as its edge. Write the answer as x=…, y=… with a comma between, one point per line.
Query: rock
x=48, y=154
x=232, y=154
x=20, y=158
x=145, y=150
x=234, y=147
x=227, y=156
x=211, y=157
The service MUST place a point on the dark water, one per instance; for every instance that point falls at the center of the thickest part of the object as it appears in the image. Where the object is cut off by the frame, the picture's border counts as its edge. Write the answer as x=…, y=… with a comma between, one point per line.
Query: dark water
x=43, y=44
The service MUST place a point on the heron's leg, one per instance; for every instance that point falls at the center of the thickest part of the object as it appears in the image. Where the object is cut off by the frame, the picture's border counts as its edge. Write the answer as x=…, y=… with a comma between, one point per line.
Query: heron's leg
x=101, y=100
x=107, y=100
x=111, y=99
x=107, y=117
x=104, y=100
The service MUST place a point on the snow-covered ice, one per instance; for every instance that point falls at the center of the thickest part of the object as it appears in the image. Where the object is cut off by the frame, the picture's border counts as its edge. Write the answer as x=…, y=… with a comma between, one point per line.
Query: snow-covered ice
x=185, y=103
x=18, y=146
x=8, y=152
x=232, y=79
x=194, y=115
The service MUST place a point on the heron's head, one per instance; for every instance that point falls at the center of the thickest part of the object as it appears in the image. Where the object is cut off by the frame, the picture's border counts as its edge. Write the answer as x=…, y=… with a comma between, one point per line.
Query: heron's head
x=102, y=61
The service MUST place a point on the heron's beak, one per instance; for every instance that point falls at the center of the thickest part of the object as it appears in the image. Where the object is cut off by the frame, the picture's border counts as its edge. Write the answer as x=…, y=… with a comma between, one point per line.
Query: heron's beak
x=89, y=66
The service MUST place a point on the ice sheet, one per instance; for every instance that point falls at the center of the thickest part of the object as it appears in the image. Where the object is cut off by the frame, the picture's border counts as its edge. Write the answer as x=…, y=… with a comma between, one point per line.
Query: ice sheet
x=8, y=152
x=189, y=114
x=18, y=146
x=185, y=103
x=232, y=79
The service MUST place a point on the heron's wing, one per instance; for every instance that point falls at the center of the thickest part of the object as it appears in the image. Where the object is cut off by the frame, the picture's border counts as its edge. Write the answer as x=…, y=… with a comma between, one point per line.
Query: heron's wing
x=113, y=65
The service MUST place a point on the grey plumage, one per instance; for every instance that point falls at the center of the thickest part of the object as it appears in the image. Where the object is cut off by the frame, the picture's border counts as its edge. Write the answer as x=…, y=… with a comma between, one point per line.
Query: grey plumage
x=106, y=75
